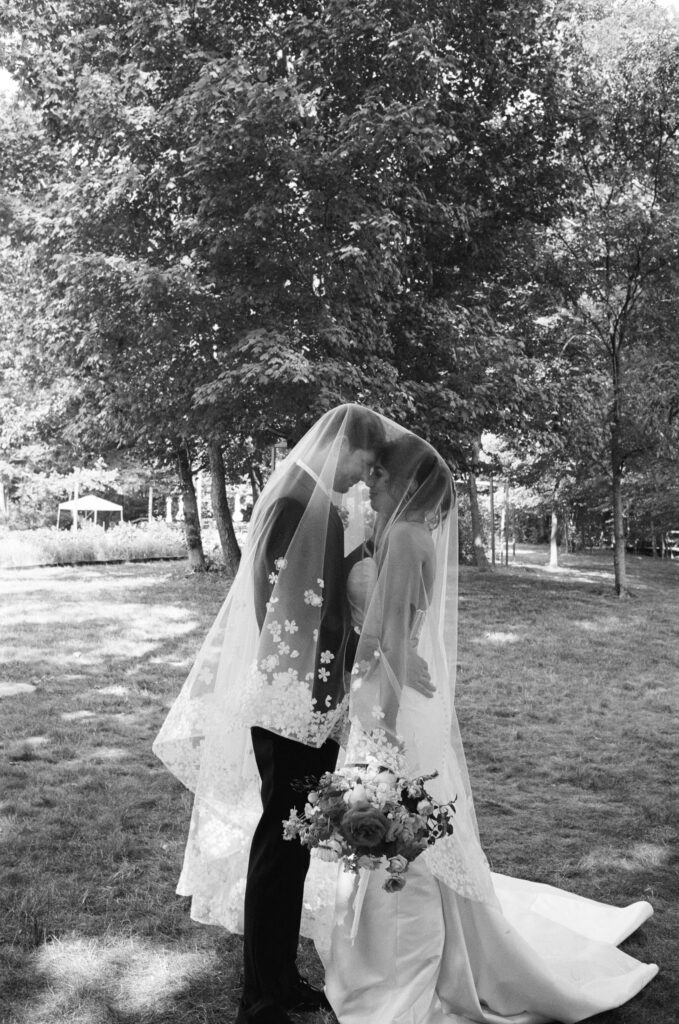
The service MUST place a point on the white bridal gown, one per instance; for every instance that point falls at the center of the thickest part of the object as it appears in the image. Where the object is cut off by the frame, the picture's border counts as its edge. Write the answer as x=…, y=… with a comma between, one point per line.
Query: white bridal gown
x=526, y=953
x=429, y=956
x=459, y=944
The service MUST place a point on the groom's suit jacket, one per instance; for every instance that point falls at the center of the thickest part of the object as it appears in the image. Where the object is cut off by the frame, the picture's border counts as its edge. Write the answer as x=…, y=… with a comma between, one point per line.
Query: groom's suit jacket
x=334, y=627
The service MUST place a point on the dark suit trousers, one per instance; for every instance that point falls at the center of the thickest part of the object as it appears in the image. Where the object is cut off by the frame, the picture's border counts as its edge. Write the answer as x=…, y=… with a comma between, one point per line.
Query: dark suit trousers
x=277, y=868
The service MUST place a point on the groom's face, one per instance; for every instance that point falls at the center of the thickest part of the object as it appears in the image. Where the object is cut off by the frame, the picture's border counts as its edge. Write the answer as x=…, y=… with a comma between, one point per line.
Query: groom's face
x=353, y=464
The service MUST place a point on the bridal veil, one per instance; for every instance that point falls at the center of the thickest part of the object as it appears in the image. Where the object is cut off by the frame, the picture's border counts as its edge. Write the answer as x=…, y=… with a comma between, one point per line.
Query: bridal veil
x=266, y=663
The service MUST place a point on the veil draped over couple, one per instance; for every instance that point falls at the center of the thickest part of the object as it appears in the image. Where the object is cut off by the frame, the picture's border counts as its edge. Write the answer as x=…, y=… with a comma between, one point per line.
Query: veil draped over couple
x=337, y=645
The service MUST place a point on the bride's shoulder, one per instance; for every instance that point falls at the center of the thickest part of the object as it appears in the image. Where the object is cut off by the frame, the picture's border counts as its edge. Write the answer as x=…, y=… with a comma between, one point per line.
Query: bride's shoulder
x=408, y=535
x=413, y=529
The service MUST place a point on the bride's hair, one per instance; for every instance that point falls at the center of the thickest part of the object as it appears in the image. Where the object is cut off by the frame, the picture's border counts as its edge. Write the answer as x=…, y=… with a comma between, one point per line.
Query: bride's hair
x=418, y=477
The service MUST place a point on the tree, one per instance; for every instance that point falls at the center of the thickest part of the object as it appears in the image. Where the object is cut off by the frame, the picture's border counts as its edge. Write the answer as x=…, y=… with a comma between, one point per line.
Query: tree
x=282, y=208
x=363, y=183
x=616, y=250
x=125, y=314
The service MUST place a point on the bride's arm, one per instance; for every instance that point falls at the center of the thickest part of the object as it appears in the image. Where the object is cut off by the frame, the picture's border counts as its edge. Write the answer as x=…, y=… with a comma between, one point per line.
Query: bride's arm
x=401, y=587
x=418, y=676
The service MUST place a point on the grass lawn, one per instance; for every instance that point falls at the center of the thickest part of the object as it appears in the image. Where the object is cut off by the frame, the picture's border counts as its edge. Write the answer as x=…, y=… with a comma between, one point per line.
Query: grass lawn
x=567, y=700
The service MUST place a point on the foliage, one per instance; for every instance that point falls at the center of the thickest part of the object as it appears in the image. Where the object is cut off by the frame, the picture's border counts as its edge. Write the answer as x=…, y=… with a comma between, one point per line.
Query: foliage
x=221, y=219
x=275, y=208
x=343, y=194
x=609, y=264
x=35, y=496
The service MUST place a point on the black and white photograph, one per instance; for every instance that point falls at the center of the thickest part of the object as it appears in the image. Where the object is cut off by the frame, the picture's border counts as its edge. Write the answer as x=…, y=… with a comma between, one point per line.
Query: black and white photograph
x=339, y=512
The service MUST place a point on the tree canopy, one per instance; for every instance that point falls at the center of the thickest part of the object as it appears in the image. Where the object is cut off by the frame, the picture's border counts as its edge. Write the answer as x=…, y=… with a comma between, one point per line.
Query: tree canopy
x=223, y=218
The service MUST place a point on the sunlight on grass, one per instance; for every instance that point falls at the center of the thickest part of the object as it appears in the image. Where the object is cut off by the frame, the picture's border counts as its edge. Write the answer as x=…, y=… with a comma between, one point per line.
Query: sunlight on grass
x=8, y=823
x=639, y=857
x=108, y=754
x=139, y=616
x=602, y=624
x=13, y=689
x=502, y=638
x=26, y=748
x=127, y=976
x=60, y=580
x=124, y=631
x=567, y=575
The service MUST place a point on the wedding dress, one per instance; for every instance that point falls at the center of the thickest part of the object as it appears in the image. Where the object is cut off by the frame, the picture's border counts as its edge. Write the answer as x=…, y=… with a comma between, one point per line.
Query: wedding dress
x=459, y=943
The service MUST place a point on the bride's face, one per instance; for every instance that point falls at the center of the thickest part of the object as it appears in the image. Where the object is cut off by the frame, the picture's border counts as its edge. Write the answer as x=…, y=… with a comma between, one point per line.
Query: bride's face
x=381, y=497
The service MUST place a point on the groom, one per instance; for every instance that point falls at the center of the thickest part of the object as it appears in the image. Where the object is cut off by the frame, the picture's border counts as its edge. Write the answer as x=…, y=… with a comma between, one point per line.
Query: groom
x=277, y=868
x=272, y=985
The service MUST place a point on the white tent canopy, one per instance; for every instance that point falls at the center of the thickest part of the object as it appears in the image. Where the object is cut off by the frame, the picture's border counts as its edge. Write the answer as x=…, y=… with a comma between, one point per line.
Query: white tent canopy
x=89, y=503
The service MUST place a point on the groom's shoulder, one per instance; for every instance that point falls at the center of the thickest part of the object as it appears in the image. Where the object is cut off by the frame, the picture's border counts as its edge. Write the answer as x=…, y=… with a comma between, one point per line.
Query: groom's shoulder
x=296, y=488
x=294, y=494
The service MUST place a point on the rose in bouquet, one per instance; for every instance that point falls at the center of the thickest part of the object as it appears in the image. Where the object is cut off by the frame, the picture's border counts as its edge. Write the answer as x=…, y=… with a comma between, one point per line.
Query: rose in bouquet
x=366, y=815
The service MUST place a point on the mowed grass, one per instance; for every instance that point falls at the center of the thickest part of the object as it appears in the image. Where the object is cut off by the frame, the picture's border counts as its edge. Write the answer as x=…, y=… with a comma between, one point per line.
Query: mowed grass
x=567, y=700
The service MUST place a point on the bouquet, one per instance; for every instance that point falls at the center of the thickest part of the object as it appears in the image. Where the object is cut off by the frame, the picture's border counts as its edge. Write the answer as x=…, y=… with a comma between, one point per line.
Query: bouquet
x=365, y=815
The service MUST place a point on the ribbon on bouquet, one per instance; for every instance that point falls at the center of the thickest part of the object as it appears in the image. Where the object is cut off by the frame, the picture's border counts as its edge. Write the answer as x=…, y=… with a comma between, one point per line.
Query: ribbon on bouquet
x=363, y=879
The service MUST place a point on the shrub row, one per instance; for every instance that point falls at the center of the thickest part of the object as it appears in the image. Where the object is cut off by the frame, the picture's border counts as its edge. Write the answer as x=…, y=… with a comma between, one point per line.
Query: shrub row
x=127, y=542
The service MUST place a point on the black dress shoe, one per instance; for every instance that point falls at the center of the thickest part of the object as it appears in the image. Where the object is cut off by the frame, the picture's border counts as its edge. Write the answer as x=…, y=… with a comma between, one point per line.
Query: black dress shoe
x=267, y=1015
x=305, y=997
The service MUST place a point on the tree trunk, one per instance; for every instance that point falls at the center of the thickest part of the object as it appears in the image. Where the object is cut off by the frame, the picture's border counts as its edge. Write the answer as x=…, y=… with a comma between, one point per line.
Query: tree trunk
x=477, y=524
x=74, y=524
x=617, y=468
x=505, y=516
x=220, y=509
x=619, y=561
x=553, y=546
x=256, y=482
x=492, y=521
x=194, y=544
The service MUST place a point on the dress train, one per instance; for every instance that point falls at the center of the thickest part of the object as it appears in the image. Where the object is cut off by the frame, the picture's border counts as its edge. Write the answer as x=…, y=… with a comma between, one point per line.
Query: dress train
x=427, y=955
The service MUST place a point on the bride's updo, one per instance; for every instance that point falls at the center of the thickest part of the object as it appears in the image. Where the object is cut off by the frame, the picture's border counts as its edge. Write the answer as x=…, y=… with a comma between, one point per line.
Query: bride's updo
x=418, y=478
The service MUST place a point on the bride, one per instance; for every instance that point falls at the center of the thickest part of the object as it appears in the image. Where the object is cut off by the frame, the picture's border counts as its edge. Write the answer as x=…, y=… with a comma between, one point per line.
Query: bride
x=458, y=943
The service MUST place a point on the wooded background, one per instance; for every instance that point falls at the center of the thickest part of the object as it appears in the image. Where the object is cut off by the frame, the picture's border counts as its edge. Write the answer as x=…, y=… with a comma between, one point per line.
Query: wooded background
x=219, y=219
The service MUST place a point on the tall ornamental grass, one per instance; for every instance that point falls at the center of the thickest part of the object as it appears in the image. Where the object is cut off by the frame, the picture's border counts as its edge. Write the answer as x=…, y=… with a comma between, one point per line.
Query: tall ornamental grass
x=125, y=542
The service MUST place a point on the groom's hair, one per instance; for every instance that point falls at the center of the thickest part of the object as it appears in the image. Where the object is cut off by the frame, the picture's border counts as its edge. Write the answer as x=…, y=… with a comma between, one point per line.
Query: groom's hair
x=363, y=428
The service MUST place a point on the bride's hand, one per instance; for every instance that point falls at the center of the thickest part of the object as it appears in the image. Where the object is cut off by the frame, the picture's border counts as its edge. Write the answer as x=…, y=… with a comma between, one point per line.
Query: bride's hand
x=418, y=677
